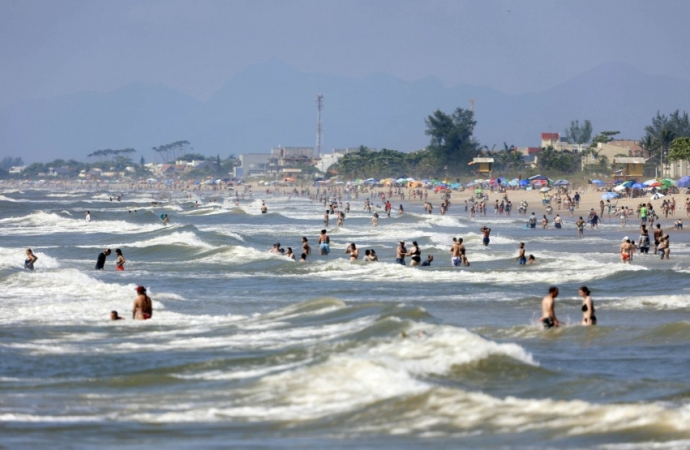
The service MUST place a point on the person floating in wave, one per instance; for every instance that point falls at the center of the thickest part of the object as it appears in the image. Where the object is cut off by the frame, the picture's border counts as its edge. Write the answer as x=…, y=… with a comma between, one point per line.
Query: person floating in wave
x=548, y=305
x=30, y=259
x=114, y=315
x=428, y=261
x=531, y=259
x=100, y=262
x=143, y=306
x=120, y=262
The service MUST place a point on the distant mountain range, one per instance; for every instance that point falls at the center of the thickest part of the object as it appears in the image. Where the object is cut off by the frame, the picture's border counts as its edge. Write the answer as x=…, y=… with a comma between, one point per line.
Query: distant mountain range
x=271, y=104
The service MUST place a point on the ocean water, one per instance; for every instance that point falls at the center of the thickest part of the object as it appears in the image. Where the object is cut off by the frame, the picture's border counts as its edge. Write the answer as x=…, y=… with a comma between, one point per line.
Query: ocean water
x=250, y=349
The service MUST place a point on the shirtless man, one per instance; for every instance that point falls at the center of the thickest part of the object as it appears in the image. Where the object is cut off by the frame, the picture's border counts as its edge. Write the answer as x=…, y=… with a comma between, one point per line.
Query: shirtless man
x=264, y=208
x=486, y=232
x=455, y=256
x=465, y=261
x=400, y=253
x=522, y=260
x=548, y=303
x=324, y=243
x=326, y=218
x=143, y=307
x=626, y=251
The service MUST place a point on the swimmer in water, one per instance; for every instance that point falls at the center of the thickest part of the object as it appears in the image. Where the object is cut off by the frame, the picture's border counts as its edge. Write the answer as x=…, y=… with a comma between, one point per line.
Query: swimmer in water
x=114, y=315
x=88, y=216
x=303, y=258
x=166, y=220
x=143, y=306
x=264, y=208
x=352, y=250
x=588, y=317
x=120, y=262
x=289, y=253
x=30, y=259
x=100, y=262
x=305, y=246
x=400, y=253
x=548, y=304
x=531, y=259
x=415, y=255
x=428, y=261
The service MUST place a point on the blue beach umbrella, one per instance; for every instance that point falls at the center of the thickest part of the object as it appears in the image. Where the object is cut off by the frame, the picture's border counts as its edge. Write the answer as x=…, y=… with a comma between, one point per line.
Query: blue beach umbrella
x=561, y=183
x=524, y=183
x=638, y=186
x=628, y=183
x=683, y=182
x=598, y=182
x=610, y=195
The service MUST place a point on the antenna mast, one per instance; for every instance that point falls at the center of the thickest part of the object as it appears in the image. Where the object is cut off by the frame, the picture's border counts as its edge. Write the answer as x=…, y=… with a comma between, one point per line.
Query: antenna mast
x=319, y=128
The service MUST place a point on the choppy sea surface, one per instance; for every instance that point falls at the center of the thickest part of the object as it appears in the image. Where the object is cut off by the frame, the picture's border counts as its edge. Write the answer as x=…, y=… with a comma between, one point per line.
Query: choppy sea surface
x=249, y=349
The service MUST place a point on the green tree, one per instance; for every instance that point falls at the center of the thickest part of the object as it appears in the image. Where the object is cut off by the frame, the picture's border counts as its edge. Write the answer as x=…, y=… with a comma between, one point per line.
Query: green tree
x=551, y=160
x=189, y=157
x=172, y=151
x=680, y=149
x=8, y=162
x=579, y=134
x=662, y=132
x=452, y=145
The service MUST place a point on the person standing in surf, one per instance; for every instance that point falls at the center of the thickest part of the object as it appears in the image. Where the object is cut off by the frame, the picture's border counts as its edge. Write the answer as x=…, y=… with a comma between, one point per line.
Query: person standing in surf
x=120, y=262
x=486, y=233
x=100, y=262
x=548, y=306
x=324, y=243
x=30, y=259
x=522, y=260
x=143, y=306
x=588, y=317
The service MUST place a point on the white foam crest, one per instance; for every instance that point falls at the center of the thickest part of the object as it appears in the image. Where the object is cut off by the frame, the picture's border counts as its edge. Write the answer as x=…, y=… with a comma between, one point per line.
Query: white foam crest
x=653, y=301
x=7, y=199
x=236, y=255
x=14, y=258
x=179, y=238
x=241, y=374
x=474, y=411
x=442, y=221
x=39, y=222
x=220, y=229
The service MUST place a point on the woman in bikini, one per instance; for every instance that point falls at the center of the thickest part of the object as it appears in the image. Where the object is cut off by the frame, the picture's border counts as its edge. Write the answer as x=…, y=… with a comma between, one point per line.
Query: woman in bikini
x=588, y=317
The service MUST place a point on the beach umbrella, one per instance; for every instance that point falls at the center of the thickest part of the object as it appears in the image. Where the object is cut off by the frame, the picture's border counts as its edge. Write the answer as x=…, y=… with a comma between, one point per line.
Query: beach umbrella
x=619, y=188
x=478, y=191
x=628, y=183
x=561, y=183
x=524, y=183
x=649, y=182
x=668, y=182
x=638, y=186
x=610, y=195
x=683, y=182
x=544, y=189
x=657, y=196
x=598, y=182
x=655, y=184
x=538, y=177
x=471, y=184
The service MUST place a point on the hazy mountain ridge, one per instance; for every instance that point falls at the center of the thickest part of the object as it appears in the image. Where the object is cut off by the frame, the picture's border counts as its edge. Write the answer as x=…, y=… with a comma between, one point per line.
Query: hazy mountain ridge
x=272, y=104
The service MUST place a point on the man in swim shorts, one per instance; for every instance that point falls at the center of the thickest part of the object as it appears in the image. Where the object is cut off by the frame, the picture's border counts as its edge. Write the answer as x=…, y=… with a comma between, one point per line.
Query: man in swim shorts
x=533, y=221
x=401, y=253
x=456, y=257
x=548, y=314
x=522, y=260
x=324, y=243
x=486, y=232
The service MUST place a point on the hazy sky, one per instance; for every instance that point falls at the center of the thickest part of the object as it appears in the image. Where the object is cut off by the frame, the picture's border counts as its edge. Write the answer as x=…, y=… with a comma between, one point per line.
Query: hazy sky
x=50, y=48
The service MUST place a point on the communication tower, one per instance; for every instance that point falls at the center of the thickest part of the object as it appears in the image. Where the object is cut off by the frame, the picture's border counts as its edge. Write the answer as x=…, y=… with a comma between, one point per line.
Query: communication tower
x=319, y=129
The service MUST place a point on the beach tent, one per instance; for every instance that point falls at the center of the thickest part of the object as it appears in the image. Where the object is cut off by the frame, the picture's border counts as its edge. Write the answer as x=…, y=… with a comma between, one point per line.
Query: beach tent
x=538, y=177
x=524, y=183
x=610, y=195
